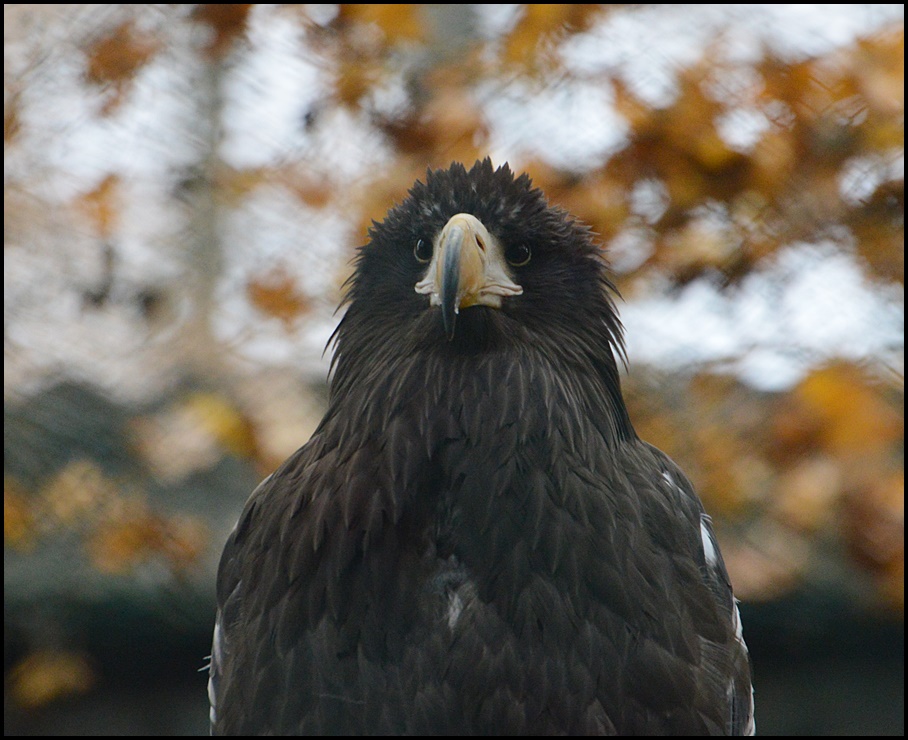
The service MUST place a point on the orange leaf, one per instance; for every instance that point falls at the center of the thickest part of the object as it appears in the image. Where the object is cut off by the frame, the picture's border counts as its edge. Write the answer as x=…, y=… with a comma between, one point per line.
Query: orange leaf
x=227, y=22
x=102, y=205
x=275, y=294
x=115, y=59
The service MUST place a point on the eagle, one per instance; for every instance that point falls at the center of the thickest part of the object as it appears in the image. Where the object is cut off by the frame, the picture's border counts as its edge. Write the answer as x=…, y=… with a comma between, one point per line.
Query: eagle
x=475, y=540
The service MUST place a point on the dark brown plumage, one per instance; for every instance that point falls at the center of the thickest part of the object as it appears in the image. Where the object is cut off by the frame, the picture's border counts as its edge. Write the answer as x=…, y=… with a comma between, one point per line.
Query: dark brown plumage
x=475, y=540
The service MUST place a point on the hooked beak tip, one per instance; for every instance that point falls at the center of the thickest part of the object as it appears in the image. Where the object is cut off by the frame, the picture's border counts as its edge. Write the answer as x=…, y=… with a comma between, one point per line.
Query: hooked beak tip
x=450, y=282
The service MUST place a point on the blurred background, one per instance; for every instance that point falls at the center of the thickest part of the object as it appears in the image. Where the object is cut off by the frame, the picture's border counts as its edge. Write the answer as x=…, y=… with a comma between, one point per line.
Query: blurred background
x=184, y=188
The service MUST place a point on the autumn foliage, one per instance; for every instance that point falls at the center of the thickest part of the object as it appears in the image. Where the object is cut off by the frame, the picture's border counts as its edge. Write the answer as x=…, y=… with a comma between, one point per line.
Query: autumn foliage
x=796, y=478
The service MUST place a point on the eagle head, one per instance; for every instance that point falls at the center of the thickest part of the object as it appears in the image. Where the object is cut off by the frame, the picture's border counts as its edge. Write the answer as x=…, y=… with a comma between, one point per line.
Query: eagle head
x=477, y=260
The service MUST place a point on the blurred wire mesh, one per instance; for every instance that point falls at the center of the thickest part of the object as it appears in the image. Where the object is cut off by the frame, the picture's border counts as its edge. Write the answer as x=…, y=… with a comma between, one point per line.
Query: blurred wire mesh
x=185, y=187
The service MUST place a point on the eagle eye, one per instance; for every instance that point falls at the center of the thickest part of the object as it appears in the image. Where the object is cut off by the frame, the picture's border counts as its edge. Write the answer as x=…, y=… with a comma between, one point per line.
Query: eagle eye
x=423, y=250
x=518, y=254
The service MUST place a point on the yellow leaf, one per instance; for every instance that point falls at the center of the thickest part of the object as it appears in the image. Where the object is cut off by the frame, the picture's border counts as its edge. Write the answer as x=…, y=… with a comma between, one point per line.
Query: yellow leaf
x=43, y=677
x=19, y=530
x=223, y=421
x=401, y=22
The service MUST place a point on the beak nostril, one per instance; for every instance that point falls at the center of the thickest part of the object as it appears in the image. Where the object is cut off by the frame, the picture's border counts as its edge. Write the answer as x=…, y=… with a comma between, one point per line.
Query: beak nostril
x=481, y=243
